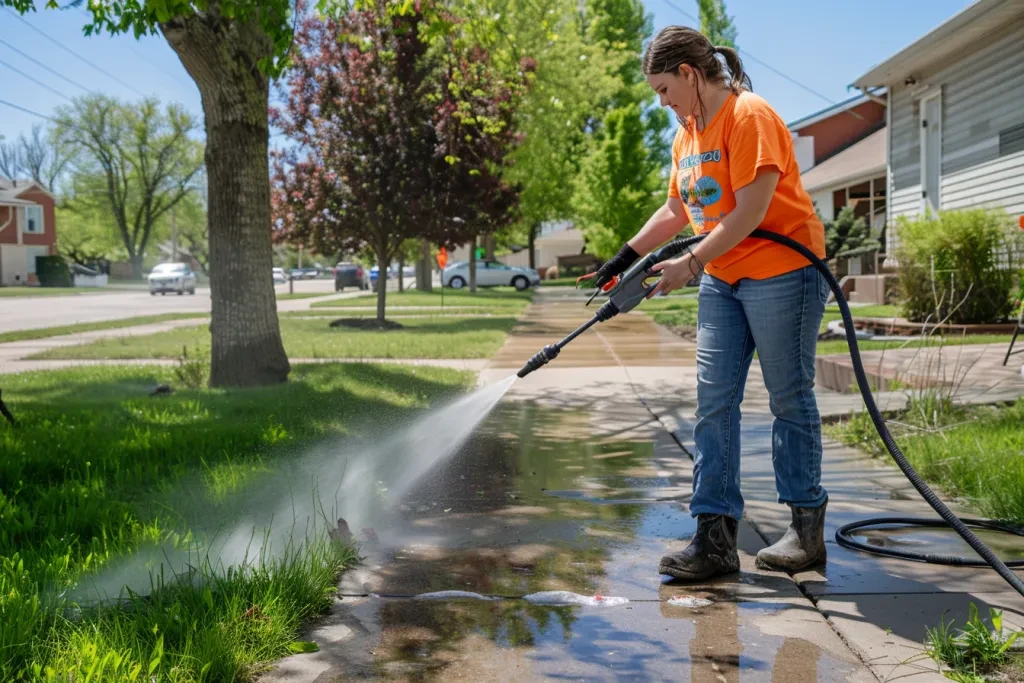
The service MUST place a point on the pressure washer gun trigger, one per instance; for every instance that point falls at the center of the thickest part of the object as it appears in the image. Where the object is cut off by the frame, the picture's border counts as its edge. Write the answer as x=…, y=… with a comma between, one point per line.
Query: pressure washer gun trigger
x=607, y=287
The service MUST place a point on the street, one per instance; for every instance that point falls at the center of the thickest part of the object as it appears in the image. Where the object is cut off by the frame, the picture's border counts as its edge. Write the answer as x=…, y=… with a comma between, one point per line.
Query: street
x=32, y=312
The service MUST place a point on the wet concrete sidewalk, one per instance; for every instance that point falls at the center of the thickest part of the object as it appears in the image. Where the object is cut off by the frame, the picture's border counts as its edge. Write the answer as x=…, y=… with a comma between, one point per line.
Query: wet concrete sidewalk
x=572, y=484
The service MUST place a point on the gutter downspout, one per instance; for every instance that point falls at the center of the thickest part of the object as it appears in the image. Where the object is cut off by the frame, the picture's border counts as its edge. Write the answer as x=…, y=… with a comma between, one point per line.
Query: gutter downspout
x=873, y=97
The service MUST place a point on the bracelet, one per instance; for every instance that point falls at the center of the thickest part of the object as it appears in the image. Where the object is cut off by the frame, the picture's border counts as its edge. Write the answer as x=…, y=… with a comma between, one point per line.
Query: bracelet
x=694, y=257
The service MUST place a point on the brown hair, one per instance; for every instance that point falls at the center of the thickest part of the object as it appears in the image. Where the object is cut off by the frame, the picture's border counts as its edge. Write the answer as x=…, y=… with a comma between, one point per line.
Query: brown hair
x=678, y=45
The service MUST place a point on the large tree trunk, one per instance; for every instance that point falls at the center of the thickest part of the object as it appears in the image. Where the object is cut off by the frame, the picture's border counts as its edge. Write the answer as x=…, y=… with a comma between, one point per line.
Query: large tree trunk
x=401, y=274
x=136, y=261
x=489, y=247
x=424, y=269
x=382, y=280
x=221, y=55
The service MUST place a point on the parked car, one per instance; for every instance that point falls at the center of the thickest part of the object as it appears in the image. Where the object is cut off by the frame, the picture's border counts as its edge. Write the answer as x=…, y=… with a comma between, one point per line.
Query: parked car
x=490, y=274
x=172, y=277
x=350, y=275
x=279, y=276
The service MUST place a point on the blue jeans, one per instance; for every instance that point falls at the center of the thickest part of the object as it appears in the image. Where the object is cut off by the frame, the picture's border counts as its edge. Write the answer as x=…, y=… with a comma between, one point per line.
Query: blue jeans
x=779, y=318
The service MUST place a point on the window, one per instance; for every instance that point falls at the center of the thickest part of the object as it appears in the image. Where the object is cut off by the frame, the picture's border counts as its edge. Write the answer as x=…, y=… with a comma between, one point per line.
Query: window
x=1011, y=140
x=34, y=219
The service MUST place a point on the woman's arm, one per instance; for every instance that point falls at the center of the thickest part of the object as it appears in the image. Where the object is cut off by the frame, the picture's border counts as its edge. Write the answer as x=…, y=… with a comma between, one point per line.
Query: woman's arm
x=667, y=222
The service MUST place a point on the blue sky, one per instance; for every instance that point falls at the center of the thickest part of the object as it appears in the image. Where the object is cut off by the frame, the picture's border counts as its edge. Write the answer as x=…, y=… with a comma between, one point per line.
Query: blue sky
x=823, y=45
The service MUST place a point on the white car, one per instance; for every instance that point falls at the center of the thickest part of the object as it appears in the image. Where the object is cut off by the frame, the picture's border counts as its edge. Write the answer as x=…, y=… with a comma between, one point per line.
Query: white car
x=279, y=276
x=490, y=274
x=172, y=277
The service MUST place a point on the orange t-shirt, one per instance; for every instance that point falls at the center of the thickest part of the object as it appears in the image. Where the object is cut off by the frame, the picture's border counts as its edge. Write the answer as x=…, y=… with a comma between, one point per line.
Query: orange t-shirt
x=709, y=166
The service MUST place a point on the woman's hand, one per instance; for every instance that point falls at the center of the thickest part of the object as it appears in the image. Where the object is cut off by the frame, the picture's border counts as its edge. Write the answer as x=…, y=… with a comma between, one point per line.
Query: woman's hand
x=675, y=273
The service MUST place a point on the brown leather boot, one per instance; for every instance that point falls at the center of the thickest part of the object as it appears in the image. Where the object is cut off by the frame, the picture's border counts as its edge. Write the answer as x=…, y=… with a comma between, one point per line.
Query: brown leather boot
x=803, y=544
x=711, y=552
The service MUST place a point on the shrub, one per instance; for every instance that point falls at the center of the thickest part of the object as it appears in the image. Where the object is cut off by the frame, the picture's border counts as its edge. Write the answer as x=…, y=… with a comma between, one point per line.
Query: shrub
x=958, y=265
x=53, y=271
x=193, y=371
x=849, y=237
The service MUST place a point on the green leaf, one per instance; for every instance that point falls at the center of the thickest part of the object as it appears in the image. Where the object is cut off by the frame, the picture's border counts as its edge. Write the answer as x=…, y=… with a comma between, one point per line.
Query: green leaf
x=208, y=597
x=301, y=646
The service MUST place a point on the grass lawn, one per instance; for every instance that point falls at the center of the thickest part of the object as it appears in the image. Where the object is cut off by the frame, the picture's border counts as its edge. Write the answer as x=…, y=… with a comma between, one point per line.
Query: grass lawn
x=491, y=298
x=97, y=470
x=684, y=312
x=559, y=282
x=420, y=338
x=301, y=295
x=980, y=460
x=46, y=291
x=44, y=332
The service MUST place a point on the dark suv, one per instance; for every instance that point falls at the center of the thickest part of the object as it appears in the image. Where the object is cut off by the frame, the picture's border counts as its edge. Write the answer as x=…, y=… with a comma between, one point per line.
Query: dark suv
x=350, y=275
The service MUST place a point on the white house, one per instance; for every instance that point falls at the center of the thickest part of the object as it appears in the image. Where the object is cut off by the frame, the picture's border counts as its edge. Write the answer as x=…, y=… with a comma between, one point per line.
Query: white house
x=955, y=114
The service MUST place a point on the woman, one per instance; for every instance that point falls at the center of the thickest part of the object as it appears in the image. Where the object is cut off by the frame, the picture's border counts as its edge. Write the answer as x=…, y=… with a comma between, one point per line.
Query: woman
x=733, y=170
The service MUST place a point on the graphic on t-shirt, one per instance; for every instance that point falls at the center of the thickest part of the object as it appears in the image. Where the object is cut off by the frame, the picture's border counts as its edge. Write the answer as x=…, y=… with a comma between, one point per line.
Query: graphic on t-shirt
x=707, y=190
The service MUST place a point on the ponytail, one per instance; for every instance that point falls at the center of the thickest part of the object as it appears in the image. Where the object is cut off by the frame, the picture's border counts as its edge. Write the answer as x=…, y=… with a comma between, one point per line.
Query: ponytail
x=740, y=80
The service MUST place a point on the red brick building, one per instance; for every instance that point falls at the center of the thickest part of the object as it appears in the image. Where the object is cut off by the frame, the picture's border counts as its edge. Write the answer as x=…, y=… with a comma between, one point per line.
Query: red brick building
x=28, y=229
x=842, y=151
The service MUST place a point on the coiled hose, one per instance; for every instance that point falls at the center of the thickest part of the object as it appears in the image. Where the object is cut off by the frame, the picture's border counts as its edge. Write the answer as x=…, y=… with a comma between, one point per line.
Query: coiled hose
x=677, y=247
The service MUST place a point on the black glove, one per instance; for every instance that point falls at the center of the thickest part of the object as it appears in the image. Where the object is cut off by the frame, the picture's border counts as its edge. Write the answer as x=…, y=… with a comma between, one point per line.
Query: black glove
x=616, y=265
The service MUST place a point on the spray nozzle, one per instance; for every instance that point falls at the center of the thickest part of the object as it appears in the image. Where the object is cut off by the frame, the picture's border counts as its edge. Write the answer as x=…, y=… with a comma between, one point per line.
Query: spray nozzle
x=539, y=359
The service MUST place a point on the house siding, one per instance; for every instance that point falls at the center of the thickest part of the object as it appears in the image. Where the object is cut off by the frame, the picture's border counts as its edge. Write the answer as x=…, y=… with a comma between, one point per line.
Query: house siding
x=981, y=96
x=997, y=183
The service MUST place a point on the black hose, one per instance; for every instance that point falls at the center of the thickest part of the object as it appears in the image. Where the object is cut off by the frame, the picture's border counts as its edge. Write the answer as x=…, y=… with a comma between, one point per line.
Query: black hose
x=679, y=246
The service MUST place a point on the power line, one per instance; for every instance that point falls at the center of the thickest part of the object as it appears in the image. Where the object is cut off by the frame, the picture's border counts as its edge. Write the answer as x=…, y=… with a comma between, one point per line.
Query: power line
x=70, y=51
x=35, y=80
x=38, y=63
x=755, y=59
x=27, y=111
x=143, y=56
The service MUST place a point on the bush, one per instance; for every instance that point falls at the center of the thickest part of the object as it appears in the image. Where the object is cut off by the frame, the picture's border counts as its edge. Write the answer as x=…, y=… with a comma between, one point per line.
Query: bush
x=958, y=265
x=53, y=271
x=848, y=236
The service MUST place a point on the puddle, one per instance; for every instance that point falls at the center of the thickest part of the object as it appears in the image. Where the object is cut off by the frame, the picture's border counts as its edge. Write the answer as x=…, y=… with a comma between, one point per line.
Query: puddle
x=531, y=507
x=941, y=541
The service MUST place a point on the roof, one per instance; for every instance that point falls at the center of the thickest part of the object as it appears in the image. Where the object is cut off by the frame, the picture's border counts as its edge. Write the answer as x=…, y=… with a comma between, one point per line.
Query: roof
x=857, y=162
x=958, y=35
x=828, y=112
x=9, y=192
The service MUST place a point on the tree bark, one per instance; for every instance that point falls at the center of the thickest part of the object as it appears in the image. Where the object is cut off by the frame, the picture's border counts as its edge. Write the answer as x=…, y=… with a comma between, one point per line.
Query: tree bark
x=401, y=275
x=532, y=242
x=472, y=265
x=489, y=247
x=382, y=280
x=221, y=55
x=136, y=261
x=424, y=269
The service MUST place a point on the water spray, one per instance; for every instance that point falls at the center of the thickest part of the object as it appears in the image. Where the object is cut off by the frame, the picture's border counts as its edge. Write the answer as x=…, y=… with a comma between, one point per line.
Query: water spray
x=632, y=287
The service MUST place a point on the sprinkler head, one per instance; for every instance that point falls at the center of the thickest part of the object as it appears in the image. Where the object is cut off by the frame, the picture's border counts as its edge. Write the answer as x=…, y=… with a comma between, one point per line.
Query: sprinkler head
x=540, y=358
